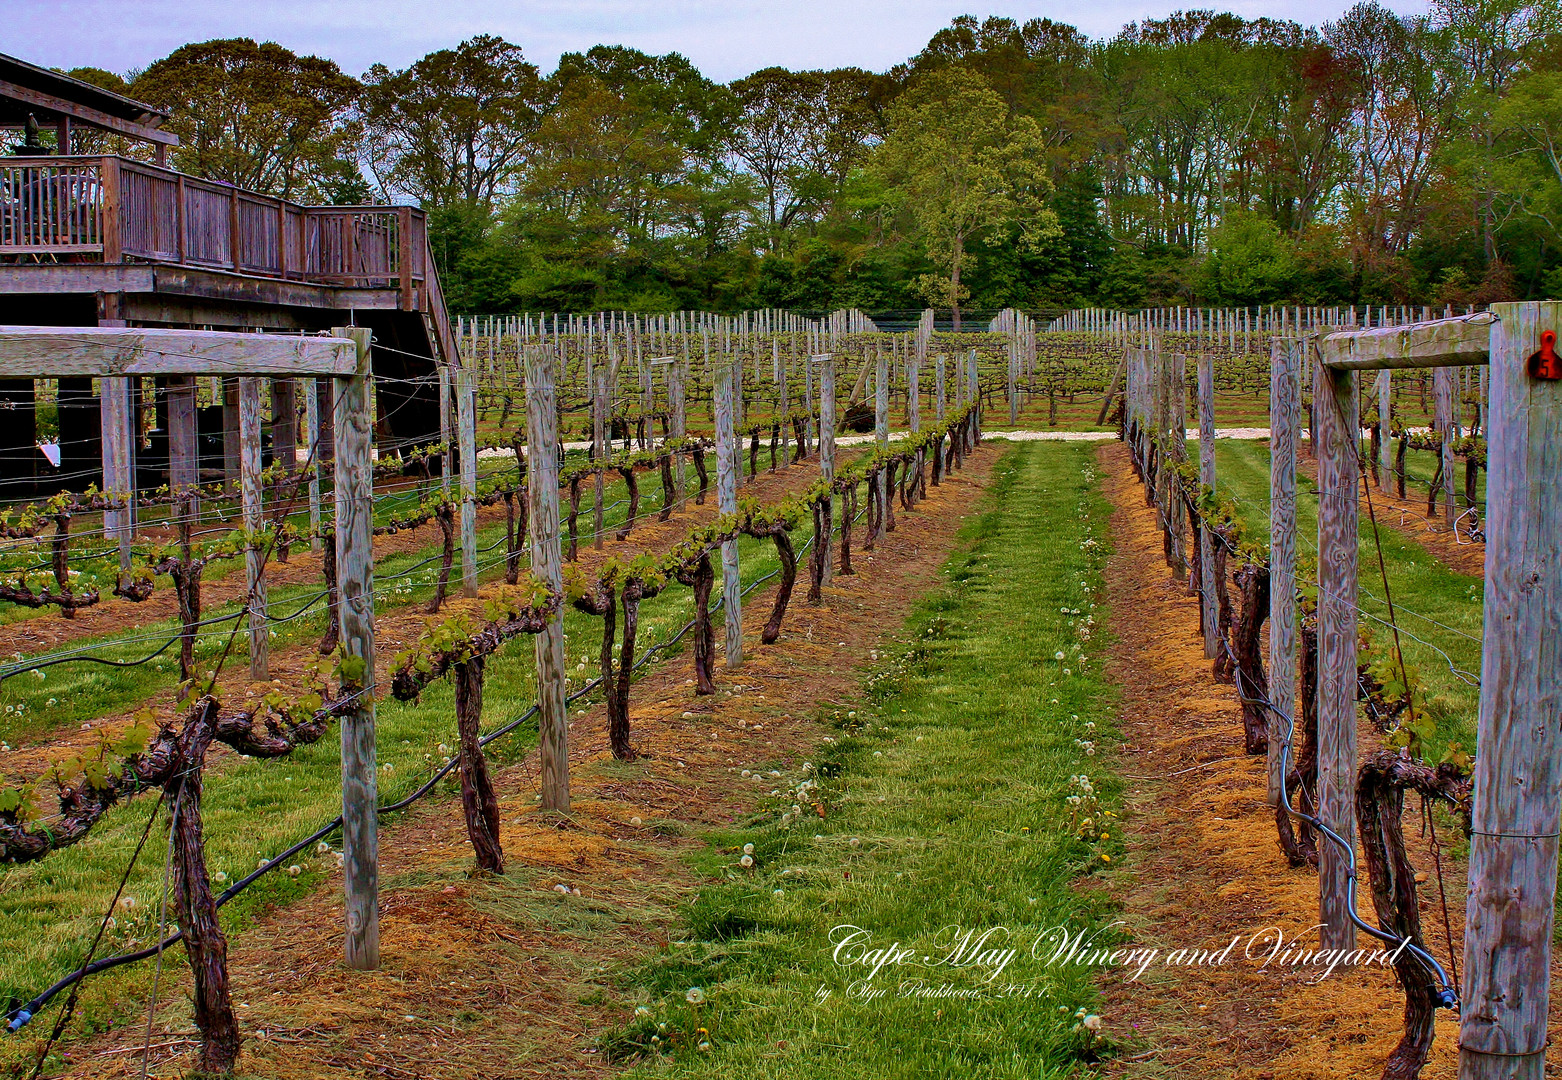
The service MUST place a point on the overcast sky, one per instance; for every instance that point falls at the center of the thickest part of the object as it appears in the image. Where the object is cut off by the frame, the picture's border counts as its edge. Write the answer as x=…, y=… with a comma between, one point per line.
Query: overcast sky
x=726, y=39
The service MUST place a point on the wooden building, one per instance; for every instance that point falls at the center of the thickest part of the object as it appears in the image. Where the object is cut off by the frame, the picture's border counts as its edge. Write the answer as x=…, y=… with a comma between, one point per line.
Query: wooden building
x=109, y=239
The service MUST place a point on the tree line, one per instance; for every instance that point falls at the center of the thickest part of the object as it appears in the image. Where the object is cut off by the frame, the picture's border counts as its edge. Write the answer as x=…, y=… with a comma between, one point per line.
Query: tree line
x=1198, y=159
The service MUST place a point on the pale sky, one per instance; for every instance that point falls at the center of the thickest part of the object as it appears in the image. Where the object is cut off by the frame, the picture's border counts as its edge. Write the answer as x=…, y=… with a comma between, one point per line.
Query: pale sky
x=726, y=39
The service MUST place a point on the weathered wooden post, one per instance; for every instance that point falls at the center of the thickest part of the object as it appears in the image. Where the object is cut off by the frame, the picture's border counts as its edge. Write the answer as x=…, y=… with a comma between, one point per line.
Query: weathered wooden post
x=353, y=429
x=1209, y=608
x=1518, y=768
x=1336, y=411
x=184, y=465
x=118, y=477
x=542, y=468
x=284, y=425
x=678, y=418
x=600, y=436
x=827, y=456
x=881, y=432
x=1385, y=410
x=1285, y=409
x=938, y=388
x=1447, y=428
x=447, y=442
x=312, y=421
x=466, y=423
x=254, y=520
x=232, y=456
x=727, y=503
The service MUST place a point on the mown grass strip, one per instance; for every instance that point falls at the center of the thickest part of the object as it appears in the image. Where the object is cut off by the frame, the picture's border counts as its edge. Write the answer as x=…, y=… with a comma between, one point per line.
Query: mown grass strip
x=946, y=795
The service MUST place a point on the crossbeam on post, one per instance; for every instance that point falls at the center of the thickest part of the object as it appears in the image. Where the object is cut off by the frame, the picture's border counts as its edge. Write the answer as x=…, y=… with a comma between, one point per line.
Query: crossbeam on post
x=1438, y=343
x=106, y=351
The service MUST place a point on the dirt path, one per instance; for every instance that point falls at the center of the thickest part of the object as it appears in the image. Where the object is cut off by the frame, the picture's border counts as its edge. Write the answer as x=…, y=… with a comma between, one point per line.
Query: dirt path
x=1204, y=866
x=507, y=977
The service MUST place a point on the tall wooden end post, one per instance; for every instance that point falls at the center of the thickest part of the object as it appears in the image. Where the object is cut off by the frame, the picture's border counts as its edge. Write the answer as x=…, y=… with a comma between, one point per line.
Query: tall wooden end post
x=542, y=468
x=1285, y=411
x=727, y=503
x=1336, y=408
x=1518, y=770
x=353, y=428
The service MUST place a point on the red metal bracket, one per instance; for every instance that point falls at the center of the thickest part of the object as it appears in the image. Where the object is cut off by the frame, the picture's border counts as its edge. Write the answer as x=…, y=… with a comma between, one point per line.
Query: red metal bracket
x=1545, y=363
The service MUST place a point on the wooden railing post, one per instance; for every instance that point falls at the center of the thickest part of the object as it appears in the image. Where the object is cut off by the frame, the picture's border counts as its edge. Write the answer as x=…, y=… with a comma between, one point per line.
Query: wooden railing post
x=353, y=428
x=1338, y=448
x=727, y=503
x=254, y=519
x=112, y=210
x=1285, y=409
x=542, y=468
x=1517, y=808
x=233, y=228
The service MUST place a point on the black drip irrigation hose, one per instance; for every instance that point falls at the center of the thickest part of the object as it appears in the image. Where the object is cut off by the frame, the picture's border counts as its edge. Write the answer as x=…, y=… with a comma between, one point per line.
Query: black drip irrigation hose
x=18, y=1018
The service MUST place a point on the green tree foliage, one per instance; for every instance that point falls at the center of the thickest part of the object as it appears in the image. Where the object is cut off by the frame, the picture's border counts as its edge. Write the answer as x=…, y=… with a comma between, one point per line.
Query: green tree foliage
x=455, y=125
x=1198, y=158
x=961, y=169
x=256, y=115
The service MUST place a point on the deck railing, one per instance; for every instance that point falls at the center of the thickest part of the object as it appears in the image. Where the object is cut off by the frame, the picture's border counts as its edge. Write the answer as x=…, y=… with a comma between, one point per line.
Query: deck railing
x=112, y=209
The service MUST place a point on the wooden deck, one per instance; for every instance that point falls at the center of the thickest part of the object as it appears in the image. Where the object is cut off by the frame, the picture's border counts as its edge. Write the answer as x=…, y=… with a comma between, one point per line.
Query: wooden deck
x=106, y=210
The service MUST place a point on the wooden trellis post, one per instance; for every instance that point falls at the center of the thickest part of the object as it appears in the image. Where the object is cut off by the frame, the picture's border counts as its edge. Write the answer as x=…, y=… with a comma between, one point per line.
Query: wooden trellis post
x=727, y=503
x=447, y=444
x=231, y=453
x=827, y=450
x=881, y=430
x=1444, y=424
x=1335, y=411
x=353, y=427
x=938, y=388
x=542, y=468
x=600, y=433
x=184, y=466
x=118, y=475
x=1285, y=408
x=677, y=418
x=254, y=520
x=312, y=421
x=1518, y=768
x=1208, y=606
x=1385, y=411
x=466, y=423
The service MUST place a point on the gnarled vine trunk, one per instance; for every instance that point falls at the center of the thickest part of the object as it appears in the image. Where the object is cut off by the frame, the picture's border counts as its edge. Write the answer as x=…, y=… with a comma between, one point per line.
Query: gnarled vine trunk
x=479, y=804
x=444, y=516
x=204, y=942
x=634, y=502
x=1380, y=801
x=1246, y=644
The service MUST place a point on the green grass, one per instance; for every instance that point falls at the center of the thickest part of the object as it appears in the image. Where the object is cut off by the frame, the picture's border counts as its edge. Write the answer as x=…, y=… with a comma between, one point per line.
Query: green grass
x=946, y=798
x=1438, y=609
